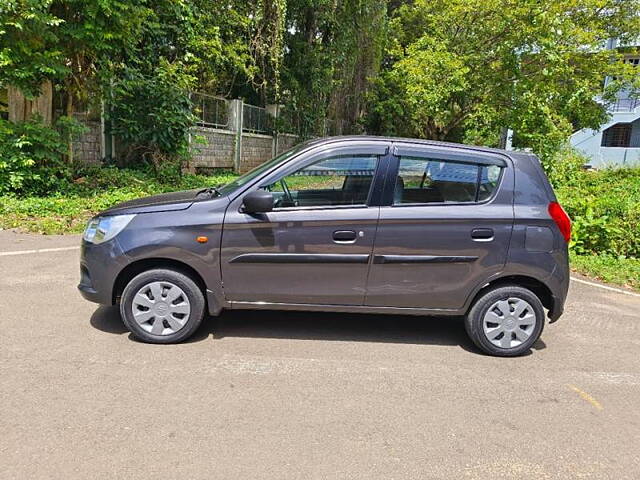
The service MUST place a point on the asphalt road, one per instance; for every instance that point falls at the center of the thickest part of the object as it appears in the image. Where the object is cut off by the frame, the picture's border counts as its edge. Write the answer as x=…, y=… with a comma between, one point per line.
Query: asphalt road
x=305, y=396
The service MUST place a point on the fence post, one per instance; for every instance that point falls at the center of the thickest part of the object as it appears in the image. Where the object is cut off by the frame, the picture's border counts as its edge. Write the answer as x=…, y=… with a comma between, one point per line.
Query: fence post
x=235, y=124
x=274, y=110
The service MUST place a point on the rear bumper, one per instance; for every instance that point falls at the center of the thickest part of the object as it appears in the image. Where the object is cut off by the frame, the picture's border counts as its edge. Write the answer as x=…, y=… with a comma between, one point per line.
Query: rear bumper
x=559, y=286
x=557, y=311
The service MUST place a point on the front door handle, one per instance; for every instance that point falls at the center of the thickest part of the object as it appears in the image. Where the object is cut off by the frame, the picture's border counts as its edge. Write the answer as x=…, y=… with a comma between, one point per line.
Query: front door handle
x=344, y=236
x=482, y=234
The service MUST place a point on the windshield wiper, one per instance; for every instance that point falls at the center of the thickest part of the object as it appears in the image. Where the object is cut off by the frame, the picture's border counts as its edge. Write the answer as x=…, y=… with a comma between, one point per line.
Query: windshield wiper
x=209, y=191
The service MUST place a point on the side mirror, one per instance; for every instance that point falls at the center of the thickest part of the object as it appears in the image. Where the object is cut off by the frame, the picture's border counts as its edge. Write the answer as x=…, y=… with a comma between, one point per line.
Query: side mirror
x=259, y=201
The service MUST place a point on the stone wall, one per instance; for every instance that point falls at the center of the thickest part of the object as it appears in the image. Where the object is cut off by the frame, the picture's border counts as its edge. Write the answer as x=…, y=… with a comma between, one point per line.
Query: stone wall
x=217, y=152
x=285, y=142
x=87, y=148
x=256, y=149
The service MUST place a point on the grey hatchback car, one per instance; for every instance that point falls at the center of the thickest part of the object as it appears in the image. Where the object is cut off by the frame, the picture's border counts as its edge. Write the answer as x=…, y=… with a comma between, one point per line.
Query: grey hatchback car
x=344, y=224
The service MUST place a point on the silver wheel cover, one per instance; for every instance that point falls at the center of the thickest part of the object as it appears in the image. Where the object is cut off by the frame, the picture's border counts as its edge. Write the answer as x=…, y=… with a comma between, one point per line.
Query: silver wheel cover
x=161, y=308
x=509, y=323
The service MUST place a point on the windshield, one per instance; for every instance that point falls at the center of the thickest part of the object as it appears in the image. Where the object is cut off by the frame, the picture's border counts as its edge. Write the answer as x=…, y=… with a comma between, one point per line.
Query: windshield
x=250, y=175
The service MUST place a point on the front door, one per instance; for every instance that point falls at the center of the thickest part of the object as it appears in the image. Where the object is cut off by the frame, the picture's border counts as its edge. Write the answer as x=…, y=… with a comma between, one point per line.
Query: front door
x=315, y=246
x=445, y=227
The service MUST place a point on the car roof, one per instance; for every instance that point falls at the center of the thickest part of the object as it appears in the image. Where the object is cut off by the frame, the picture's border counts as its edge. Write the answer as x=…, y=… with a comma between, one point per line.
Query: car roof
x=372, y=138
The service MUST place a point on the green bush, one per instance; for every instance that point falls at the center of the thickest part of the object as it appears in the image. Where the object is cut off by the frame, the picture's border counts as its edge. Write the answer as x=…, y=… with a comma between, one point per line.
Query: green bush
x=604, y=206
x=565, y=168
x=151, y=113
x=31, y=155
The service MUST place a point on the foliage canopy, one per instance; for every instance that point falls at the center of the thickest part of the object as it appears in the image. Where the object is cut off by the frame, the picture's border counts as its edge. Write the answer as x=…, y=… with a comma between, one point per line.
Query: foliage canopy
x=463, y=69
x=460, y=70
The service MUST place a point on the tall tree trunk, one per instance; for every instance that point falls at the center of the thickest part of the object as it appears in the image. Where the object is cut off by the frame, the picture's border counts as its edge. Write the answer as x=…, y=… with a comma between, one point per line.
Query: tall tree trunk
x=69, y=112
x=504, y=133
x=22, y=108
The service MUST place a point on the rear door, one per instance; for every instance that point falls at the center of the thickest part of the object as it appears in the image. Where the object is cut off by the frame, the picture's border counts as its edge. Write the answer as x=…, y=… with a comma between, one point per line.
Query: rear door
x=444, y=227
x=315, y=246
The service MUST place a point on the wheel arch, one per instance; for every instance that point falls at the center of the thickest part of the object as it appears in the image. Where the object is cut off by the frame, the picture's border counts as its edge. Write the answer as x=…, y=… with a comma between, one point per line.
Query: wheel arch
x=139, y=266
x=539, y=288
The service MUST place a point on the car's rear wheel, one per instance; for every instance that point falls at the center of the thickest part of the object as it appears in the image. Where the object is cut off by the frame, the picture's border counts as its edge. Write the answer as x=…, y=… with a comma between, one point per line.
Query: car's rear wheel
x=162, y=306
x=505, y=321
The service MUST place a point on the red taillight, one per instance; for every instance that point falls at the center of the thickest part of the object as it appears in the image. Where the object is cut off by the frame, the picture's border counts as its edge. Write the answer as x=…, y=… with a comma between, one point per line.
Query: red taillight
x=562, y=219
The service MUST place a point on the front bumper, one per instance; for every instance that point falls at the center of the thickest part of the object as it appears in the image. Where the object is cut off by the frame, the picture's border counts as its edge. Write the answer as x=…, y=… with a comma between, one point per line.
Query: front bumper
x=99, y=268
x=86, y=287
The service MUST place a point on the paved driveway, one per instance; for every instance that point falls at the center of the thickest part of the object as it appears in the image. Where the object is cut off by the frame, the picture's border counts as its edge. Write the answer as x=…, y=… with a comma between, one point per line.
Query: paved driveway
x=303, y=396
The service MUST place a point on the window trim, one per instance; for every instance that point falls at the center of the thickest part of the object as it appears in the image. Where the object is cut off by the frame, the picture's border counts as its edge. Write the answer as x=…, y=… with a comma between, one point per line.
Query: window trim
x=435, y=153
x=321, y=207
x=302, y=153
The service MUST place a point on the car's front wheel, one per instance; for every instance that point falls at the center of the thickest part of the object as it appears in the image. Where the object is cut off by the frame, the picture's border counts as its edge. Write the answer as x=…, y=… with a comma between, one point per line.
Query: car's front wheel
x=505, y=321
x=162, y=306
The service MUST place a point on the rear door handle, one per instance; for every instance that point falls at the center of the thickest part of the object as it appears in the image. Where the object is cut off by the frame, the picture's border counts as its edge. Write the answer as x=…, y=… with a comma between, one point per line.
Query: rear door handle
x=344, y=236
x=482, y=234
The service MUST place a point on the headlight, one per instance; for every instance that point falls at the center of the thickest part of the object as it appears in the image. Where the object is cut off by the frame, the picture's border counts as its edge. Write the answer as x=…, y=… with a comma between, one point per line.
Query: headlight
x=103, y=229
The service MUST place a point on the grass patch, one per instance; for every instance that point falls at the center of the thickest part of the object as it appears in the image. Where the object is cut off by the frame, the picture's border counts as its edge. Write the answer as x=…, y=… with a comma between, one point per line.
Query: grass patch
x=619, y=270
x=87, y=196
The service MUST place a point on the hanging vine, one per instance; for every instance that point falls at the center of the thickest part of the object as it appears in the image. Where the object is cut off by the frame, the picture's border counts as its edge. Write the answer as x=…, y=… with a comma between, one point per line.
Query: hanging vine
x=267, y=47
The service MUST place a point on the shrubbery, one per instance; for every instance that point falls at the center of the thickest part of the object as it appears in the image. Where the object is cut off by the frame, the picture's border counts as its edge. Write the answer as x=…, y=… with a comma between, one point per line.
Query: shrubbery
x=34, y=162
x=91, y=189
x=32, y=156
x=151, y=114
x=604, y=206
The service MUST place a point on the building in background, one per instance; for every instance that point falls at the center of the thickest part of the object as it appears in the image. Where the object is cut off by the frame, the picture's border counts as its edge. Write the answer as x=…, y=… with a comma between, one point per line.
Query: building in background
x=617, y=142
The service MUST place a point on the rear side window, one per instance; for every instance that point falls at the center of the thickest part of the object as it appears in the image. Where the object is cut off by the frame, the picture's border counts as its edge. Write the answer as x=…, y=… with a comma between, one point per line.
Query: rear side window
x=489, y=176
x=424, y=180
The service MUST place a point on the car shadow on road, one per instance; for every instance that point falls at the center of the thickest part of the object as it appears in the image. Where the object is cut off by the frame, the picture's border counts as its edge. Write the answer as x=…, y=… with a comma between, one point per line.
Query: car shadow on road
x=107, y=319
x=348, y=327
x=345, y=327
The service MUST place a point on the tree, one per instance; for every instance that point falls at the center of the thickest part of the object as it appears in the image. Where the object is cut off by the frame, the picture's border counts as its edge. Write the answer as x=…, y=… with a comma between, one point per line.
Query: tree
x=332, y=48
x=65, y=41
x=358, y=47
x=462, y=69
x=93, y=35
x=29, y=51
x=267, y=47
x=219, y=49
x=108, y=49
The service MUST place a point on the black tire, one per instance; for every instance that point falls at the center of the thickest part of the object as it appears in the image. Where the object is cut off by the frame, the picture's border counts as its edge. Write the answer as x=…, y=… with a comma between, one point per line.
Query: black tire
x=188, y=286
x=474, y=320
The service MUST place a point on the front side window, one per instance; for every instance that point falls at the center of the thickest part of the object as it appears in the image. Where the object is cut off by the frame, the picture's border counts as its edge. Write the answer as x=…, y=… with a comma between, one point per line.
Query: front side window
x=333, y=181
x=424, y=180
x=252, y=174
